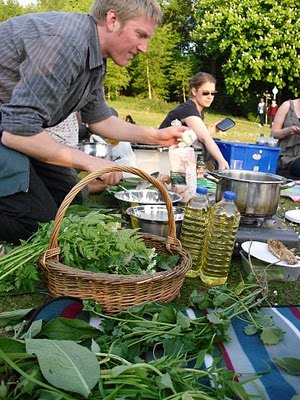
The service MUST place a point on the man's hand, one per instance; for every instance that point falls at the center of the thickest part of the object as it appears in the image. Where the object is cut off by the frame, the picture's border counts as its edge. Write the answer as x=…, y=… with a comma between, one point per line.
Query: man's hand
x=169, y=136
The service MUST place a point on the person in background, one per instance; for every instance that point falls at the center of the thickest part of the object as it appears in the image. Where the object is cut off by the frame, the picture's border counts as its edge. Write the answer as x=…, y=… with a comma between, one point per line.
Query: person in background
x=190, y=114
x=272, y=112
x=286, y=128
x=53, y=64
x=261, y=110
x=129, y=119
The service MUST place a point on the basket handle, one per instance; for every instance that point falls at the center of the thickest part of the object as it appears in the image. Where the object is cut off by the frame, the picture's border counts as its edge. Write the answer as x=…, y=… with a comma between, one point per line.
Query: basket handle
x=171, y=239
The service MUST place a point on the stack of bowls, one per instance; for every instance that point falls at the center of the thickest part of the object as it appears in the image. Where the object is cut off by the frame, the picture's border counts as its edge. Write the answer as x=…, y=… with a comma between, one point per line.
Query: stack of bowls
x=146, y=210
x=154, y=219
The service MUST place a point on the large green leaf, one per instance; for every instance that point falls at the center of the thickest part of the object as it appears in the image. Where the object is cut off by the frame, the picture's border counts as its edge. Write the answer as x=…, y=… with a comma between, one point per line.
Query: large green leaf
x=65, y=364
x=9, y=345
x=289, y=364
x=13, y=317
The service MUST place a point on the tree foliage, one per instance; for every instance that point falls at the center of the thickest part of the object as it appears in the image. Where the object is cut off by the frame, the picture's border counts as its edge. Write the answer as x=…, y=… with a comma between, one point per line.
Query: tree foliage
x=9, y=9
x=255, y=42
x=150, y=71
x=116, y=79
x=249, y=45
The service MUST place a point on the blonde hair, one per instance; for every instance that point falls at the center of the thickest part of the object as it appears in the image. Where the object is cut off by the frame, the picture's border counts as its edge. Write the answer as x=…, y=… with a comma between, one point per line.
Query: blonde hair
x=199, y=79
x=127, y=9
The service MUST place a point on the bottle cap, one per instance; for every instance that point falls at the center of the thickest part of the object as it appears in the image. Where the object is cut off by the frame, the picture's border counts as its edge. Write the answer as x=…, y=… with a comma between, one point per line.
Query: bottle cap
x=201, y=190
x=229, y=195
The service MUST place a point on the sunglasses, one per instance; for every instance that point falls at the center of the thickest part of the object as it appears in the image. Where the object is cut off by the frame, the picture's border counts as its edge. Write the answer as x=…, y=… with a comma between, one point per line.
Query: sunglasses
x=207, y=93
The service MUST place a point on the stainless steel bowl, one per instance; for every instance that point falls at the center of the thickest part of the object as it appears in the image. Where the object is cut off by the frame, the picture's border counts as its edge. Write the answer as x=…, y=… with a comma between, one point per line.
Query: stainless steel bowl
x=101, y=150
x=154, y=219
x=132, y=198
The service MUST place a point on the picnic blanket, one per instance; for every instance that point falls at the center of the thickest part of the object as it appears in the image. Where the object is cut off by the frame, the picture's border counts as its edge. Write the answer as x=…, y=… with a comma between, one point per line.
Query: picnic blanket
x=293, y=192
x=247, y=355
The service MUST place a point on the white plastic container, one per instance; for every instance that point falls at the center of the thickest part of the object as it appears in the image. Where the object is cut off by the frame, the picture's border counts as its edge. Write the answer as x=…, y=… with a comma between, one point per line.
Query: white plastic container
x=273, y=273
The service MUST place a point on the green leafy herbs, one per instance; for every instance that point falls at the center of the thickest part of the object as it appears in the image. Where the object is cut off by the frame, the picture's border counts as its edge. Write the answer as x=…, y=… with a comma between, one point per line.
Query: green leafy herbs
x=151, y=351
x=99, y=244
x=89, y=240
x=263, y=324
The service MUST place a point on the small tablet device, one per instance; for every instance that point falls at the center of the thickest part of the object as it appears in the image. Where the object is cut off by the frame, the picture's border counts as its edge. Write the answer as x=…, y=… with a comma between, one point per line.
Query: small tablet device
x=225, y=124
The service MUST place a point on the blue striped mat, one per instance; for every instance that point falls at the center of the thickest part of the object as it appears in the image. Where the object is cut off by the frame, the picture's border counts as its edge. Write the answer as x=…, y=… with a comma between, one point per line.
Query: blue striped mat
x=248, y=356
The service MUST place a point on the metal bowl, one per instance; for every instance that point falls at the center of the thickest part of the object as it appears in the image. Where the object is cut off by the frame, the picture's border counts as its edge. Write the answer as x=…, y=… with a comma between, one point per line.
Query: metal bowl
x=101, y=150
x=132, y=198
x=154, y=219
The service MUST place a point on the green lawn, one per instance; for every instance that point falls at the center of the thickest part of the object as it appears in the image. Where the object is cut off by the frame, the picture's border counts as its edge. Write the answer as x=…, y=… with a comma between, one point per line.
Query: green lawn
x=244, y=131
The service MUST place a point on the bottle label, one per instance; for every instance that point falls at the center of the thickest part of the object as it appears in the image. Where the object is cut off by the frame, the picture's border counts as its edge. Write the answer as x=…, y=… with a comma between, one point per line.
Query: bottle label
x=178, y=178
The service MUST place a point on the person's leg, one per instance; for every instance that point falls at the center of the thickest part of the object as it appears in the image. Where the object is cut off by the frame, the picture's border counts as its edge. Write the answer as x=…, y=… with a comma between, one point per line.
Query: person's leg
x=295, y=169
x=262, y=119
x=20, y=212
x=59, y=181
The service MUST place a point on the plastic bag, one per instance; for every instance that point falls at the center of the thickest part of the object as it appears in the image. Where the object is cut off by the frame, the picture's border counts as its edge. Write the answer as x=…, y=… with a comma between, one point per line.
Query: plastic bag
x=183, y=171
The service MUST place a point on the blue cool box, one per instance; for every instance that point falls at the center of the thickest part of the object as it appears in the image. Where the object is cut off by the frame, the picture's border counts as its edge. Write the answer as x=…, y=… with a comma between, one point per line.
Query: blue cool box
x=254, y=157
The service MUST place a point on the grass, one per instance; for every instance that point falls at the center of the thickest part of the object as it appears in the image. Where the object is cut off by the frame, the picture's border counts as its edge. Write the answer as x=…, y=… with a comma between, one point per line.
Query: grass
x=142, y=113
x=151, y=114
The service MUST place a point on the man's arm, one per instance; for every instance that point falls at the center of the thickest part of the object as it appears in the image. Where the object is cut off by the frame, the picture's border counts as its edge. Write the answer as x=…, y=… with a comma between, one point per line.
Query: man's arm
x=46, y=149
x=116, y=128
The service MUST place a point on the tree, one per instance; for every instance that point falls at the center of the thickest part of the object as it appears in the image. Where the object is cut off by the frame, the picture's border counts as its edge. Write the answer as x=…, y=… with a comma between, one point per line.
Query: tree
x=255, y=42
x=9, y=9
x=150, y=71
x=116, y=79
x=180, y=73
x=63, y=5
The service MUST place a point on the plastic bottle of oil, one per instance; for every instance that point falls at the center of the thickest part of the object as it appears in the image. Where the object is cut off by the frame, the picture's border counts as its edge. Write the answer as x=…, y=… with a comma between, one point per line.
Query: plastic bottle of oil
x=219, y=241
x=194, y=227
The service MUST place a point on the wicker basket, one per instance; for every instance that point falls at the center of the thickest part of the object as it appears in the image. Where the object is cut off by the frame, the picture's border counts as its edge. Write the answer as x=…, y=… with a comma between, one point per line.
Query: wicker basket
x=116, y=293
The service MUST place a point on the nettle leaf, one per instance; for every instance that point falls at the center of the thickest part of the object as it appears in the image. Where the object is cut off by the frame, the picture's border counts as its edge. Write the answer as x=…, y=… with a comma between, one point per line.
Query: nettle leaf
x=272, y=335
x=262, y=320
x=167, y=314
x=164, y=382
x=183, y=320
x=240, y=288
x=214, y=318
x=221, y=299
x=66, y=364
x=290, y=364
x=200, y=358
x=250, y=330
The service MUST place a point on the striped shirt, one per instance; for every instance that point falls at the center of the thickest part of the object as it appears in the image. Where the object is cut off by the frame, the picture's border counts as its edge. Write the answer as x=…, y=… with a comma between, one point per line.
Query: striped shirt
x=50, y=66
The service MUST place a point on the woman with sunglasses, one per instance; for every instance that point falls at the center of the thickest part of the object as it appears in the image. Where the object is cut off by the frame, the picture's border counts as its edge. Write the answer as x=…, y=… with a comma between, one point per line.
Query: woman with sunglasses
x=190, y=113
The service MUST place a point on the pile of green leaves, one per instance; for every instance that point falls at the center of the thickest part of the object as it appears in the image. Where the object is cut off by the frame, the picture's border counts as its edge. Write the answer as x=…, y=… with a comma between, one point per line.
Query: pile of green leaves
x=89, y=239
x=152, y=351
x=98, y=243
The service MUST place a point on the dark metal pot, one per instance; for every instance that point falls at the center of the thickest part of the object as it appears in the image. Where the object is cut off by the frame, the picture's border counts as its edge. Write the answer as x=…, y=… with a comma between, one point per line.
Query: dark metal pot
x=257, y=193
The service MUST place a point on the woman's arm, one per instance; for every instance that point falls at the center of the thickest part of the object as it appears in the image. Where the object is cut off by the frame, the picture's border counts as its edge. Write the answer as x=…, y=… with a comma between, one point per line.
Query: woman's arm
x=277, y=128
x=197, y=124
